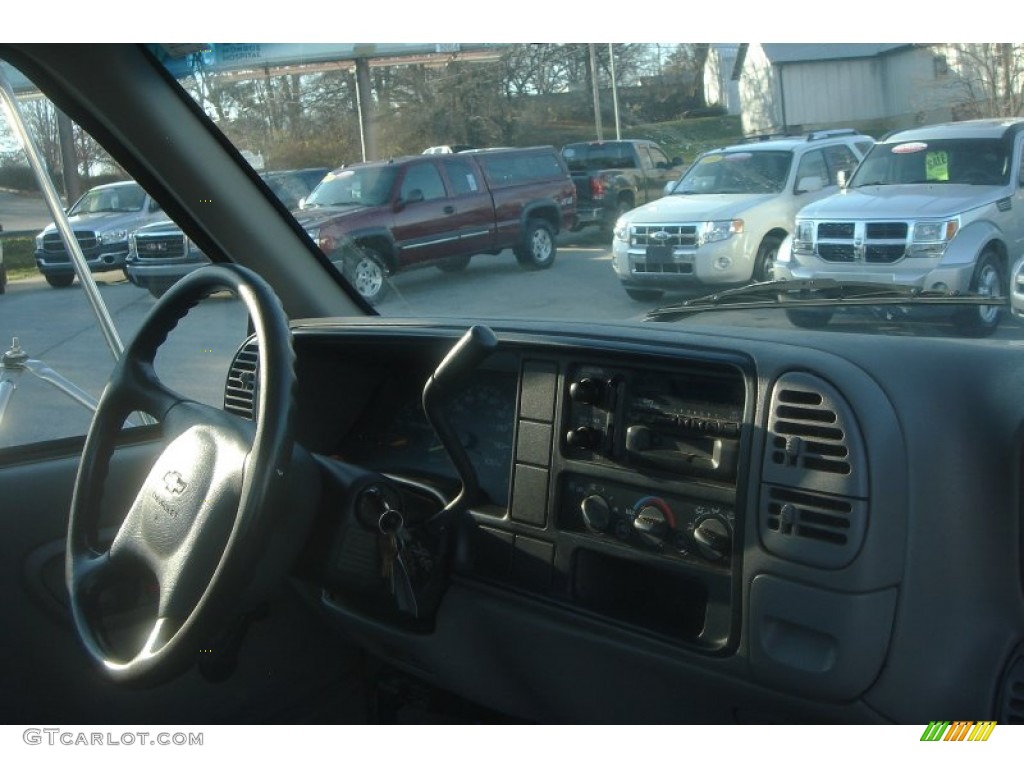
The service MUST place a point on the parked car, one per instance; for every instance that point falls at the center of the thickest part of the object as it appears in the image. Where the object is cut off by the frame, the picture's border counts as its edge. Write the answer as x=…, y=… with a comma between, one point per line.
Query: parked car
x=935, y=208
x=160, y=254
x=376, y=219
x=102, y=220
x=511, y=513
x=611, y=177
x=724, y=221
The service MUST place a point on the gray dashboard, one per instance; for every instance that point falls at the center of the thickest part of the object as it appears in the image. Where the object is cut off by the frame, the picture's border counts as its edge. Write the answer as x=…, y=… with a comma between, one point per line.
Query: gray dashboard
x=696, y=527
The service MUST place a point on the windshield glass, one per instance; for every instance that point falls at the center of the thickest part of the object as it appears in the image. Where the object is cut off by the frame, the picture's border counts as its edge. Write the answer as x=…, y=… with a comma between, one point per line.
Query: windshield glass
x=737, y=173
x=353, y=186
x=694, y=175
x=937, y=161
x=118, y=199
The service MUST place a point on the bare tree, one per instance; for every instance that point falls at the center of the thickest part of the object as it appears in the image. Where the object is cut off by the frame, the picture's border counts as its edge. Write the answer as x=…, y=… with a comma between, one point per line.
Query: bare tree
x=989, y=78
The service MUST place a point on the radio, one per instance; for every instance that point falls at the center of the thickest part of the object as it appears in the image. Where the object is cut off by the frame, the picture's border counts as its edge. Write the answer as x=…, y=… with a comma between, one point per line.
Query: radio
x=683, y=422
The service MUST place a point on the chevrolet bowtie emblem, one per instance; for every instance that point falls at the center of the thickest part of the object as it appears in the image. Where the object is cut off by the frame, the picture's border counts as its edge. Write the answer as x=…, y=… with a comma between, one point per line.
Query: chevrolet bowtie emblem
x=174, y=483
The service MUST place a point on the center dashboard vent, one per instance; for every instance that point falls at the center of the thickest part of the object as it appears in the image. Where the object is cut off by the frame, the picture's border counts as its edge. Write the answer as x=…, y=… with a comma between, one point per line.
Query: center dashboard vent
x=814, y=492
x=242, y=386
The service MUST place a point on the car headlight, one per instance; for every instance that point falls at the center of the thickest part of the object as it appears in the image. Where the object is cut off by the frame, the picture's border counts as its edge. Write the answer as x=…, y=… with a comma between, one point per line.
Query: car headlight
x=931, y=237
x=621, y=230
x=713, y=231
x=113, y=236
x=39, y=242
x=803, y=237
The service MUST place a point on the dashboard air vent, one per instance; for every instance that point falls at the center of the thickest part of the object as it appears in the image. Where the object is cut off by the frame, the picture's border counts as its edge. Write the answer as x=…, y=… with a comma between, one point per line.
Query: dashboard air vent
x=1010, y=706
x=240, y=389
x=814, y=528
x=813, y=440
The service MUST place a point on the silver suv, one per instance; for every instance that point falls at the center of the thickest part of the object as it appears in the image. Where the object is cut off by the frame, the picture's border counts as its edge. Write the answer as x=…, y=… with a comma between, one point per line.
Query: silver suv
x=936, y=208
x=723, y=222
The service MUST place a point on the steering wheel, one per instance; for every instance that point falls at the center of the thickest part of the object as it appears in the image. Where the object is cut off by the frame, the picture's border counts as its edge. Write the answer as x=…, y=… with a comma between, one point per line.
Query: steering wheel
x=204, y=512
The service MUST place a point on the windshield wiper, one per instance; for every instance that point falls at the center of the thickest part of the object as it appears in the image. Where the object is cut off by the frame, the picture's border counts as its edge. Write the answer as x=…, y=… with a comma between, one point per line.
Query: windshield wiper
x=792, y=294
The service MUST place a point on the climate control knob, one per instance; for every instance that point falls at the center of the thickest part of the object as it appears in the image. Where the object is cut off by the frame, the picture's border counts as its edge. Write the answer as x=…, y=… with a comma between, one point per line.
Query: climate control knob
x=651, y=524
x=596, y=513
x=714, y=541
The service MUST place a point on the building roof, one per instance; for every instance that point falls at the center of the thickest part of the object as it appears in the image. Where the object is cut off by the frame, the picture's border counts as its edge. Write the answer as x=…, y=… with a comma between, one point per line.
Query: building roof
x=790, y=53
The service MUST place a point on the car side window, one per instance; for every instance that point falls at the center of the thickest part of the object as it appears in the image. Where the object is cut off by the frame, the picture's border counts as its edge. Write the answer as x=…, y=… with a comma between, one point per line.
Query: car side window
x=646, y=161
x=839, y=158
x=422, y=182
x=47, y=322
x=659, y=158
x=462, y=176
x=812, y=171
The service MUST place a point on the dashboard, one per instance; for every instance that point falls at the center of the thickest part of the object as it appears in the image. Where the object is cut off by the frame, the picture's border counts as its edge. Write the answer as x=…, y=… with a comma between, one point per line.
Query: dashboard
x=677, y=528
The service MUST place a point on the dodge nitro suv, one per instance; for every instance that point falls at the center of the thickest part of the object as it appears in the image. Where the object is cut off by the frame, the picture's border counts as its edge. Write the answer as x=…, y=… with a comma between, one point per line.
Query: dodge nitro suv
x=936, y=208
x=722, y=224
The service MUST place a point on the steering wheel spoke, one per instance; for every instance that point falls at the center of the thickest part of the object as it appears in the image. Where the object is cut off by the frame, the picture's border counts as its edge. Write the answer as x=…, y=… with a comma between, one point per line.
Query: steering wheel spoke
x=205, y=509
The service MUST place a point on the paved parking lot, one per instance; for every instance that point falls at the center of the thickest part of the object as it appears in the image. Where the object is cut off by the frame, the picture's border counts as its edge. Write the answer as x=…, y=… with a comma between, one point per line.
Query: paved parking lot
x=57, y=327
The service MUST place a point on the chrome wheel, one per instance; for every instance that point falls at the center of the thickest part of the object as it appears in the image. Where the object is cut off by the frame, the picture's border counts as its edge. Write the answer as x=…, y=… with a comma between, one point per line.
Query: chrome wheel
x=368, y=277
x=989, y=284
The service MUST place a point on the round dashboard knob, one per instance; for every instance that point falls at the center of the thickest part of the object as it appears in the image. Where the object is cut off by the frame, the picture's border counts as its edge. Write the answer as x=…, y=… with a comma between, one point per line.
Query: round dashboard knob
x=651, y=524
x=714, y=541
x=586, y=390
x=596, y=513
x=586, y=438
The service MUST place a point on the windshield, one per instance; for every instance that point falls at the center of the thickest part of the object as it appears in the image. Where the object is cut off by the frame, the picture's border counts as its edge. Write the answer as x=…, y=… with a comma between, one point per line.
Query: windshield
x=939, y=161
x=562, y=213
x=119, y=199
x=353, y=186
x=737, y=173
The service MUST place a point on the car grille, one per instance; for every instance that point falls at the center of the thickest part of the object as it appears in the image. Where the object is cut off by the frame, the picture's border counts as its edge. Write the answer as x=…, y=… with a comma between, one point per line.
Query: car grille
x=53, y=243
x=843, y=230
x=160, y=246
x=662, y=269
x=876, y=242
x=675, y=235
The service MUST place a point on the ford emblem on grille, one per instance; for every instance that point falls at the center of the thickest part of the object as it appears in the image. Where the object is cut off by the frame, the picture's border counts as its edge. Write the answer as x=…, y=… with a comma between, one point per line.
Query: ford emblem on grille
x=661, y=234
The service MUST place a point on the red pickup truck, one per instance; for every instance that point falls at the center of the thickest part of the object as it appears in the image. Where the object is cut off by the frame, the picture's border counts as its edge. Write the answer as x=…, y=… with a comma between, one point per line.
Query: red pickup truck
x=379, y=218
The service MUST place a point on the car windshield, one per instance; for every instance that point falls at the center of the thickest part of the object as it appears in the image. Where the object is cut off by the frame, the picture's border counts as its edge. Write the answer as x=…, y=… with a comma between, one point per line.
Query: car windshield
x=353, y=186
x=737, y=173
x=119, y=199
x=936, y=161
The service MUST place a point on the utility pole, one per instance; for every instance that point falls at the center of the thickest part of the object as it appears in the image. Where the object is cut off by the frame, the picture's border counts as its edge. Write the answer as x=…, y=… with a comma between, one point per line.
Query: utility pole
x=615, y=92
x=597, y=97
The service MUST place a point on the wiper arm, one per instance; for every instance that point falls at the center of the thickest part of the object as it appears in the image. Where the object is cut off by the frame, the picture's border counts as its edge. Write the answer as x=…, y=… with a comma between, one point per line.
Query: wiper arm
x=815, y=293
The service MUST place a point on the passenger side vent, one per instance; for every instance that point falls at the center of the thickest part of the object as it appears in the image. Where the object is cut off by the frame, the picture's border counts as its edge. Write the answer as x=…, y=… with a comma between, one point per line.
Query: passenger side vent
x=820, y=530
x=242, y=386
x=814, y=490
